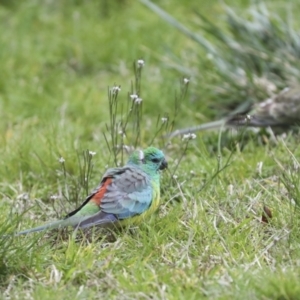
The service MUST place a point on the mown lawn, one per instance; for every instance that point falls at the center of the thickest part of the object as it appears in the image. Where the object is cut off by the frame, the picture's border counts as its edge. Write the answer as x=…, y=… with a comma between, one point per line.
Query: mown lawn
x=59, y=60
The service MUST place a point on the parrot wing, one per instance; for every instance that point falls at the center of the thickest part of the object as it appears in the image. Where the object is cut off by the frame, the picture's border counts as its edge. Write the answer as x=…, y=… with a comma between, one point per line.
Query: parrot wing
x=122, y=193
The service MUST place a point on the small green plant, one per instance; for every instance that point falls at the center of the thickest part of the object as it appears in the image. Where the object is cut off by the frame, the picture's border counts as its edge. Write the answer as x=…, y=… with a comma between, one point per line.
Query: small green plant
x=73, y=187
x=125, y=121
x=127, y=130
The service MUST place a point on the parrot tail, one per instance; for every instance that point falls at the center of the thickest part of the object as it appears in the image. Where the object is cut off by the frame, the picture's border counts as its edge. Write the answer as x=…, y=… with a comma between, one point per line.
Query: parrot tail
x=99, y=219
x=49, y=226
x=53, y=225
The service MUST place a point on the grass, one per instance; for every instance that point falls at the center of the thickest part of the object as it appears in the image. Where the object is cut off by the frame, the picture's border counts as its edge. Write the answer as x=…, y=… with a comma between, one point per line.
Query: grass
x=59, y=61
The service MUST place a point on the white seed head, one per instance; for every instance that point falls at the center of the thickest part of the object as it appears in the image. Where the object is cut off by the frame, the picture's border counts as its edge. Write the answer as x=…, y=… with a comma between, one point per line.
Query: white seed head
x=116, y=89
x=134, y=96
x=122, y=133
x=138, y=100
x=92, y=153
x=189, y=136
x=61, y=160
x=186, y=81
x=140, y=63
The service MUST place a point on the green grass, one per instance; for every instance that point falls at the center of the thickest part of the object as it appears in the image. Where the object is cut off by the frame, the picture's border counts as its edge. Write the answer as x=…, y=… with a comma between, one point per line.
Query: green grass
x=58, y=60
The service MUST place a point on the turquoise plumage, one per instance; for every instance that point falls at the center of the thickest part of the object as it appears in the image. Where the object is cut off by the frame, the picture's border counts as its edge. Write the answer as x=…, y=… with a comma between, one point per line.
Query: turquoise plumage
x=125, y=195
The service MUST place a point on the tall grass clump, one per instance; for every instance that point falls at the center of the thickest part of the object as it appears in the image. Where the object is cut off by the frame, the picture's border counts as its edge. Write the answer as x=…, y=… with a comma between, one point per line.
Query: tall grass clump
x=253, y=54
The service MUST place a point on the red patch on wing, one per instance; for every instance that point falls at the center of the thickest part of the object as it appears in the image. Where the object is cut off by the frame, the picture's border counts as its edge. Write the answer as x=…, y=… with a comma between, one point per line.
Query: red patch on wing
x=101, y=191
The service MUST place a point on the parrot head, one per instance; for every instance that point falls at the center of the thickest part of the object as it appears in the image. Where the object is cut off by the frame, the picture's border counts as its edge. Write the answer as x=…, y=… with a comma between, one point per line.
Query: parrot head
x=151, y=159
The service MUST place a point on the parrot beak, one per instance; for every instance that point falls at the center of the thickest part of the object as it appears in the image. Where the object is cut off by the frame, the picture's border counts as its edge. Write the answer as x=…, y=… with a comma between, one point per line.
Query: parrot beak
x=163, y=165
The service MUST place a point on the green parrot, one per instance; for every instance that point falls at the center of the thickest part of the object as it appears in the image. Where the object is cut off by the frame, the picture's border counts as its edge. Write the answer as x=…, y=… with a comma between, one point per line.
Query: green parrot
x=280, y=111
x=125, y=195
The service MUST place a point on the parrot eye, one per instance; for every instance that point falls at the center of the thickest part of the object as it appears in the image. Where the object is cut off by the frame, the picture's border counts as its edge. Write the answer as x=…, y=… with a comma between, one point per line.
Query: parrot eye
x=155, y=160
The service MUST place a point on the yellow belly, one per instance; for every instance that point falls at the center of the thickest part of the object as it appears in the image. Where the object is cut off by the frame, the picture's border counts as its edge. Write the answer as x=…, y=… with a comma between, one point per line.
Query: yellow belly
x=139, y=218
